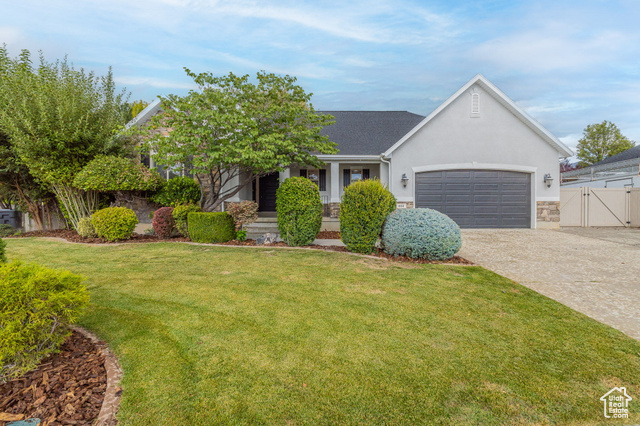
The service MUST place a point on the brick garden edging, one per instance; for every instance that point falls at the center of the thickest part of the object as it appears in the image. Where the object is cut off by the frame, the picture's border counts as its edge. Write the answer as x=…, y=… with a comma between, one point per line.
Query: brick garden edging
x=111, y=402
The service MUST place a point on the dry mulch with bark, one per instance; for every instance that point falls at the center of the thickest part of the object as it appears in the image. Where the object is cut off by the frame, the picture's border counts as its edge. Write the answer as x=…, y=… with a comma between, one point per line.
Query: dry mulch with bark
x=67, y=388
x=72, y=236
x=328, y=235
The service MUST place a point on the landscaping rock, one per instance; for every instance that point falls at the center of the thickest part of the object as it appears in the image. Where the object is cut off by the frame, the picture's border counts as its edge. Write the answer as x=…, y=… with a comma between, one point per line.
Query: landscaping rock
x=267, y=239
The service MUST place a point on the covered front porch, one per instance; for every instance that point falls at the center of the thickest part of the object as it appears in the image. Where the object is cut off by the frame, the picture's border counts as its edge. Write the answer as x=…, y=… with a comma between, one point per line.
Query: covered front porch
x=331, y=178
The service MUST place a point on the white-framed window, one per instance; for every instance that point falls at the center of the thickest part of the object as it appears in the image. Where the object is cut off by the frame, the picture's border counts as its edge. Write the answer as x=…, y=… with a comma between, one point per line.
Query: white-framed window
x=356, y=175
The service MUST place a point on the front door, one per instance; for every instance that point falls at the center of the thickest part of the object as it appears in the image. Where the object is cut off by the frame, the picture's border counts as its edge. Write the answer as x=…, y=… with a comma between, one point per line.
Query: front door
x=266, y=187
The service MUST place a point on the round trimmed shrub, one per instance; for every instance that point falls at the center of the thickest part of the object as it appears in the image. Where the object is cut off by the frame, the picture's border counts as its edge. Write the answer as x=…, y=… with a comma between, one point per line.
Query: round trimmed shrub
x=421, y=233
x=114, y=223
x=85, y=228
x=299, y=209
x=163, y=222
x=364, y=207
x=180, y=215
x=178, y=190
x=110, y=173
x=37, y=305
x=3, y=258
x=205, y=227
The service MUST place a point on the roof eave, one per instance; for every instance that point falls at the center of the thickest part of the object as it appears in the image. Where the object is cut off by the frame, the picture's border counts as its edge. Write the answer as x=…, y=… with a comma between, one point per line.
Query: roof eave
x=562, y=149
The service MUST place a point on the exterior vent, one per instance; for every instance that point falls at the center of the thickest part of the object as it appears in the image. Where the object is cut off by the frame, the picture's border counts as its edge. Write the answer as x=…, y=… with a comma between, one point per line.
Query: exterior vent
x=475, y=103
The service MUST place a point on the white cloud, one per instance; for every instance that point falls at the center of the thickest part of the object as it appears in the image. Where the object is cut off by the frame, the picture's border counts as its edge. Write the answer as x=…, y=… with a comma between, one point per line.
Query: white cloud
x=550, y=49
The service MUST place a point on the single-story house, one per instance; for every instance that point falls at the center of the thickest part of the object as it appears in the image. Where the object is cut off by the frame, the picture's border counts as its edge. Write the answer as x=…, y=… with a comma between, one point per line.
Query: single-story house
x=478, y=157
x=618, y=171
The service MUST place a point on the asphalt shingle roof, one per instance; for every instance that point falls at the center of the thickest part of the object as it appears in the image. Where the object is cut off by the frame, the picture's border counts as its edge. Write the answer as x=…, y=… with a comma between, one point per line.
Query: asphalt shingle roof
x=369, y=132
x=629, y=154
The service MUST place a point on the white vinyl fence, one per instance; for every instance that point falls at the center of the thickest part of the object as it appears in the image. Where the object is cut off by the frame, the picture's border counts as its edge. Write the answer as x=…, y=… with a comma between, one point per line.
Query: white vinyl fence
x=599, y=207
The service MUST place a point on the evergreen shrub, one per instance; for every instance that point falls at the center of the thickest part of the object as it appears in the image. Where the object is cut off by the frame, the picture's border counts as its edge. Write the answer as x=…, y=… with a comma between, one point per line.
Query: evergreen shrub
x=205, y=227
x=299, y=209
x=363, y=210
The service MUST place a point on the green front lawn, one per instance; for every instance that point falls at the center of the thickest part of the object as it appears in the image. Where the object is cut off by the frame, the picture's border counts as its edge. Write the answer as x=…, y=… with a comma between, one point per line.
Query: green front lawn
x=210, y=335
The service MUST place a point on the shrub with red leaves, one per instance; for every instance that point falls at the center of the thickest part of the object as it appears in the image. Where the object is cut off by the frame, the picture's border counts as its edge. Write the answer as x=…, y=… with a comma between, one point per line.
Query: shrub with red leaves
x=163, y=222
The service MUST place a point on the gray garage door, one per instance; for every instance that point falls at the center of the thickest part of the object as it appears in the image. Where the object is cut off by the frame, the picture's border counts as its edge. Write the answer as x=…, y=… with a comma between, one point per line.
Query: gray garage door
x=477, y=198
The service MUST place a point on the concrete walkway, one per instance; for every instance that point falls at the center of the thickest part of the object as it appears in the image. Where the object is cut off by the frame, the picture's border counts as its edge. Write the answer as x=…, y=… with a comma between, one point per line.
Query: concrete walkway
x=595, y=271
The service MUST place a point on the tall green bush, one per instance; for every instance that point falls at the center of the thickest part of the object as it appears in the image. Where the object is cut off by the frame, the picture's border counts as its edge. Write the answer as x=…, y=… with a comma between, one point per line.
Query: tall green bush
x=364, y=207
x=178, y=190
x=299, y=210
x=37, y=305
x=114, y=223
x=217, y=227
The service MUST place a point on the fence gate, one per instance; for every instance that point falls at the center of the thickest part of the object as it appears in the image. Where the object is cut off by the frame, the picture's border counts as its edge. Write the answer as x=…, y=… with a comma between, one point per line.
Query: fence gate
x=599, y=207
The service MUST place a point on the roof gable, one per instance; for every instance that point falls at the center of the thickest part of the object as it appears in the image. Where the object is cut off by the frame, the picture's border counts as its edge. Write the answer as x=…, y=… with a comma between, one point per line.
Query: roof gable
x=504, y=100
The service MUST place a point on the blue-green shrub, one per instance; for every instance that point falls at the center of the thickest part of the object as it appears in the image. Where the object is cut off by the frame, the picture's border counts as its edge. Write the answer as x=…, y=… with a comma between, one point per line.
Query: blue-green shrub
x=211, y=227
x=114, y=223
x=37, y=305
x=421, y=233
x=299, y=210
x=364, y=207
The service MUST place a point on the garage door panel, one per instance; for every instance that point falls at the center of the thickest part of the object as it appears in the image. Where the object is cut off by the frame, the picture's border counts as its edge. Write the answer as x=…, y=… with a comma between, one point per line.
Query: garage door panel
x=487, y=199
x=457, y=198
x=486, y=210
x=487, y=187
x=515, y=199
x=477, y=198
x=457, y=174
x=457, y=187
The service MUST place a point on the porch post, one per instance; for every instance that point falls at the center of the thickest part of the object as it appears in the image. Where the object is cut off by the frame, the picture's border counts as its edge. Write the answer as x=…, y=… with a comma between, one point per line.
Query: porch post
x=335, y=182
x=284, y=175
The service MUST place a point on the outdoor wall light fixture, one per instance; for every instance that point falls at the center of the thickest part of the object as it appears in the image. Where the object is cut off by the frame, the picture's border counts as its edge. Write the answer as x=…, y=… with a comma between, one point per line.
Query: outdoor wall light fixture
x=548, y=180
x=404, y=179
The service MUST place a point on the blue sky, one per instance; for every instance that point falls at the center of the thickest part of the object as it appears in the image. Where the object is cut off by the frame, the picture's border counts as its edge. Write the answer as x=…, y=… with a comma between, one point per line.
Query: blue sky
x=567, y=63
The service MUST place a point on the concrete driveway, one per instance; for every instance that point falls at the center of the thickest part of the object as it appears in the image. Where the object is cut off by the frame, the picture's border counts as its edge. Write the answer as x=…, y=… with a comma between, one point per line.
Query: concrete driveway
x=595, y=271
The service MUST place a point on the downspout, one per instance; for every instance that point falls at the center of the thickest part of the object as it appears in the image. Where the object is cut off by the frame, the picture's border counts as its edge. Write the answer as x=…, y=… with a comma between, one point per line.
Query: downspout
x=388, y=163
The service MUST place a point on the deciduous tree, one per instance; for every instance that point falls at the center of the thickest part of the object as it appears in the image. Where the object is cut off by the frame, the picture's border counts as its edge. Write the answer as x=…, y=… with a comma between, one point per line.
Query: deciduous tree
x=600, y=141
x=231, y=131
x=58, y=119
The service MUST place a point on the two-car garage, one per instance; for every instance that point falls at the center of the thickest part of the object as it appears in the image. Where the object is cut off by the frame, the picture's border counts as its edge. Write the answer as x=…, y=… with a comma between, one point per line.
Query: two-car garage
x=477, y=198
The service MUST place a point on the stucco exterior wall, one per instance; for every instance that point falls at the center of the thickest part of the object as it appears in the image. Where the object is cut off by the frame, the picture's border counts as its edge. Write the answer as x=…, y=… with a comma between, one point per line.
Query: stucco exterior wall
x=491, y=139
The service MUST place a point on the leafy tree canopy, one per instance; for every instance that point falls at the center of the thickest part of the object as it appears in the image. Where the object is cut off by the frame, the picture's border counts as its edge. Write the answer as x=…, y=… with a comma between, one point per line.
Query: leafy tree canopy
x=234, y=130
x=600, y=141
x=58, y=118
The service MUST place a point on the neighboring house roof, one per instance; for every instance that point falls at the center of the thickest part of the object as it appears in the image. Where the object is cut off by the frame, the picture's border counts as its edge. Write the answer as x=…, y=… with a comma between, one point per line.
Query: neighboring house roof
x=368, y=132
x=629, y=154
x=627, y=158
x=145, y=115
x=502, y=99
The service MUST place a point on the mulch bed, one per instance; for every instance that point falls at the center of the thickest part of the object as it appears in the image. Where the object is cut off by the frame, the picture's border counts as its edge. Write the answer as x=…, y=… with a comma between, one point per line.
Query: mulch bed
x=72, y=236
x=67, y=388
x=328, y=235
